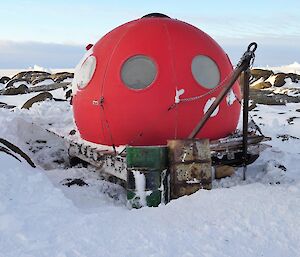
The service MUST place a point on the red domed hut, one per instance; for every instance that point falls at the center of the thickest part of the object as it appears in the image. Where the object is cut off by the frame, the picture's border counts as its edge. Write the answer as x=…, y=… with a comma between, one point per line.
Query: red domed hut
x=150, y=80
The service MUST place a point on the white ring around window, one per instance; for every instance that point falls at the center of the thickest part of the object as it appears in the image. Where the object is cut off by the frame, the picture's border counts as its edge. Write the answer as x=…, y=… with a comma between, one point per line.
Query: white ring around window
x=86, y=72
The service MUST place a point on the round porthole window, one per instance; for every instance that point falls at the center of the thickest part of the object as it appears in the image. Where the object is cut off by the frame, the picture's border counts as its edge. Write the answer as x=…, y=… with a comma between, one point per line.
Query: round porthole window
x=205, y=71
x=86, y=72
x=138, y=72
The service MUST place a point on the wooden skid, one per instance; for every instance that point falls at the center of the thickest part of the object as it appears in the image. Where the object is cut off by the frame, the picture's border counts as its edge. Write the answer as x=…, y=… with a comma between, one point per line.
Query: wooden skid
x=226, y=151
x=111, y=163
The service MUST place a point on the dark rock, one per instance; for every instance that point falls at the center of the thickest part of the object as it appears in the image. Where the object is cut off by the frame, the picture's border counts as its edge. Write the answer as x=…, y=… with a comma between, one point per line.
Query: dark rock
x=68, y=93
x=252, y=106
x=41, y=141
x=75, y=161
x=38, y=98
x=72, y=132
x=20, y=75
x=6, y=106
x=61, y=76
x=4, y=79
x=17, y=150
x=291, y=120
x=12, y=82
x=71, y=182
x=7, y=151
x=263, y=97
x=262, y=85
x=49, y=87
x=36, y=78
x=22, y=89
x=256, y=74
x=294, y=77
x=40, y=79
x=31, y=75
x=282, y=167
x=280, y=79
x=286, y=137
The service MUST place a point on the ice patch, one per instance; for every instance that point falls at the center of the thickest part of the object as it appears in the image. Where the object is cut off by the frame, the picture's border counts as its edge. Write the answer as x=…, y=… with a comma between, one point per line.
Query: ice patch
x=271, y=79
x=290, y=84
x=45, y=82
x=140, y=186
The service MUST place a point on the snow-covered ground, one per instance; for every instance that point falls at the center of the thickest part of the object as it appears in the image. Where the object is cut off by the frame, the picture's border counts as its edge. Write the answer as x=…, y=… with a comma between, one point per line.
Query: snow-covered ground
x=40, y=216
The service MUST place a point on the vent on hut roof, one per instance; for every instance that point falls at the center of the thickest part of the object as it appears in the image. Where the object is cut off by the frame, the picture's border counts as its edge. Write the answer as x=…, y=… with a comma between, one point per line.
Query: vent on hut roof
x=156, y=15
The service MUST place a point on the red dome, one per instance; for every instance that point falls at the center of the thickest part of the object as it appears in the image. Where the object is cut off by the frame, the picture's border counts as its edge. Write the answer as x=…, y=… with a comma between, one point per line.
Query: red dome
x=129, y=83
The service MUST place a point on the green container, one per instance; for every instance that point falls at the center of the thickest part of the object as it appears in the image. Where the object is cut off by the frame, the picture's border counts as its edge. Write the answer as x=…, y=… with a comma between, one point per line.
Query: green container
x=151, y=199
x=151, y=157
x=147, y=176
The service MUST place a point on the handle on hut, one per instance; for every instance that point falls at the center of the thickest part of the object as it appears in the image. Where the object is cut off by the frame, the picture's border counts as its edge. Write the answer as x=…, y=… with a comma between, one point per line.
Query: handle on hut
x=243, y=65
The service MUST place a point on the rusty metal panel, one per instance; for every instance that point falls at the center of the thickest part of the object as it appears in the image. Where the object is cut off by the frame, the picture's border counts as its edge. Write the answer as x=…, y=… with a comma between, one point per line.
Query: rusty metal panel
x=191, y=172
x=188, y=150
x=190, y=166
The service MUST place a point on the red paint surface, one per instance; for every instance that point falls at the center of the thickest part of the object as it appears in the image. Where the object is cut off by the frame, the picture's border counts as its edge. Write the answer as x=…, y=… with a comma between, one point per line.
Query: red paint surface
x=141, y=117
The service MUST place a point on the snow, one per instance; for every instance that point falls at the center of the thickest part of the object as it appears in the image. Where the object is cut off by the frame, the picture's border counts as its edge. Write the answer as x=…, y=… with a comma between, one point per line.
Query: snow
x=39, y=68
x=45, y=82
x=19, y=83
x=291, y=68
x=42, y=217
x=289, y=83
x=37, y=219
x=140, y=185
x=257, y=82
x=271, y=79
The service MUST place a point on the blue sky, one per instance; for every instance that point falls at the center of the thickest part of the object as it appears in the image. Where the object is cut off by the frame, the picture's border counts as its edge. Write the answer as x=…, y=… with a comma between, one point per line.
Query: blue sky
x=53, y=33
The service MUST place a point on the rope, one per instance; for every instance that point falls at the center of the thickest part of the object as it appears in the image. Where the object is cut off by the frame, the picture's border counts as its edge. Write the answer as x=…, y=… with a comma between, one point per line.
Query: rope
x=194, y=98
x=248, y=55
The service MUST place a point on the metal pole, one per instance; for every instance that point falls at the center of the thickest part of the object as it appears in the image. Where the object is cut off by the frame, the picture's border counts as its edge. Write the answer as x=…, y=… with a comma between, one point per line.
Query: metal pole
x=245, y=119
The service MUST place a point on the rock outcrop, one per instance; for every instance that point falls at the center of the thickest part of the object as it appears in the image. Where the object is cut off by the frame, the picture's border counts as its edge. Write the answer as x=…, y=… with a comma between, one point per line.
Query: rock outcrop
x=279, y=79
x=38, y=98
x=36, y=81
x=4, y=80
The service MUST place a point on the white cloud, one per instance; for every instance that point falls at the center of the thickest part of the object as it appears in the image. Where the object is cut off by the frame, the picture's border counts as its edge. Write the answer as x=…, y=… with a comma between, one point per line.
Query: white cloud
x=50, y=55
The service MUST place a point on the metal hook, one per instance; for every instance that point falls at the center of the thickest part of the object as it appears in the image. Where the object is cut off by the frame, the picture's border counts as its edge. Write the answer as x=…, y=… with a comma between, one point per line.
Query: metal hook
x=252, y=45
